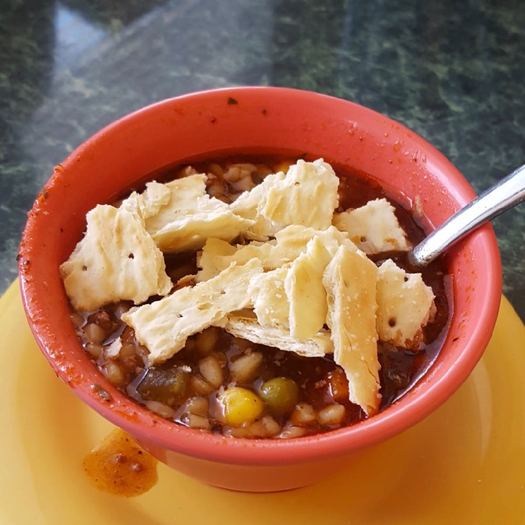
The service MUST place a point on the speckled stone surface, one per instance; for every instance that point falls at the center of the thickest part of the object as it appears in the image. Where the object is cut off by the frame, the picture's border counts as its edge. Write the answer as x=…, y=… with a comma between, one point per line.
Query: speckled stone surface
x=451, y=71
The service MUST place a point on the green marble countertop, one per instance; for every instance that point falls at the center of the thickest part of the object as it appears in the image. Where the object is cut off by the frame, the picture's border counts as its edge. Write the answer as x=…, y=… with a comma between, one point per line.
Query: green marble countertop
x=451, y=71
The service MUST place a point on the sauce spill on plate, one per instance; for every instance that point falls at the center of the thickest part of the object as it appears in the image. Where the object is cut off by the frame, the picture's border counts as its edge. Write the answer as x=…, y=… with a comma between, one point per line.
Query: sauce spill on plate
x=120, y=466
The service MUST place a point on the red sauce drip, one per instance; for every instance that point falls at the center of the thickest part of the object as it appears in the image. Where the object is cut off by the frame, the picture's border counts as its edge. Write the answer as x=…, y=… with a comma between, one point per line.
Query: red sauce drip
x=120, y=466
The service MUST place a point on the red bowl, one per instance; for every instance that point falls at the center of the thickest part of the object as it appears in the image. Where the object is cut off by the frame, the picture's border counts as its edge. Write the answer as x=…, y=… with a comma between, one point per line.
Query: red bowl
x=258, y=120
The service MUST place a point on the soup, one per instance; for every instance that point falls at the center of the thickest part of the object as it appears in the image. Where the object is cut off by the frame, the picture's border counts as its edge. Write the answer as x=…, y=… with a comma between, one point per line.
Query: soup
x=222, y=383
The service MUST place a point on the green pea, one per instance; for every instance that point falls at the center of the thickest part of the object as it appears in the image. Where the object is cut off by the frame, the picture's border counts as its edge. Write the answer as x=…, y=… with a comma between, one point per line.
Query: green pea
x=280, y=394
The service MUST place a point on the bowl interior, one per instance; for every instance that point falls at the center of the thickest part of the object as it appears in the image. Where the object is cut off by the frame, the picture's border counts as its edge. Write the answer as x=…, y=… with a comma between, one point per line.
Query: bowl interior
x=255, y=121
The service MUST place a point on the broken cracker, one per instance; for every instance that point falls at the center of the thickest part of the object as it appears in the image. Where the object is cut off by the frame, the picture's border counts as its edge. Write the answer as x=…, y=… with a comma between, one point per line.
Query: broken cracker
x=308, y=196
x=374, y=227
x=184, y=217
x=288, y=244
x=164, y=326
x=116, y=260
x=305, y=291
x=270, y=303
x=248, y=203
x=405, y=306
x=350, y=283
x=249, y=329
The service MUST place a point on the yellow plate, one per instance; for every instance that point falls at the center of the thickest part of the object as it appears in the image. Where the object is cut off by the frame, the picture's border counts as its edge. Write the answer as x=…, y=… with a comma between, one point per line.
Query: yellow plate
x=464, y=464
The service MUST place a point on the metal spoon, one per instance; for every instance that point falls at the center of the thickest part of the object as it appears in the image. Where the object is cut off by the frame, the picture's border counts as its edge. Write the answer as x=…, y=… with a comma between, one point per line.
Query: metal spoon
x=504, y=195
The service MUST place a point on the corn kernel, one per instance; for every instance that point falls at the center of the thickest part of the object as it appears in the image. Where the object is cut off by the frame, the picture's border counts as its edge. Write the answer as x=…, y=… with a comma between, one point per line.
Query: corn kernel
x=240, y=406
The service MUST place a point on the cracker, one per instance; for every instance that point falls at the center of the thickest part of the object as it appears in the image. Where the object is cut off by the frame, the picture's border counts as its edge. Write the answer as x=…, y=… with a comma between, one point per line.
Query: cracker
x=116, y=260
x=149, y=202
x=305, y=291
x=307, y=196
x=270, y=303
x=249, y=329
x=374, y=227
x=405, y=306
x=247, y=206
x=180, y=216
x=288, y=244
x=164, y=326
x=350, y=283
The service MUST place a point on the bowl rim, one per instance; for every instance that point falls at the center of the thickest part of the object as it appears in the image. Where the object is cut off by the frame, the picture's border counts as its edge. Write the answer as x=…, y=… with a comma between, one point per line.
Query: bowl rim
x=212, y=447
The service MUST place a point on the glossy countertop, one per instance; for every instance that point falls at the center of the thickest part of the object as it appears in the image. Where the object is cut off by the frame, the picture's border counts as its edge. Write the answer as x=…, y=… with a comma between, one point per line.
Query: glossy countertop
x=451, y=71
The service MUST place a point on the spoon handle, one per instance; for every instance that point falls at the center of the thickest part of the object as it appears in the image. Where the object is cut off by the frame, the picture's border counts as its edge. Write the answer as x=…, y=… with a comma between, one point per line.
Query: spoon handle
x=506, y=194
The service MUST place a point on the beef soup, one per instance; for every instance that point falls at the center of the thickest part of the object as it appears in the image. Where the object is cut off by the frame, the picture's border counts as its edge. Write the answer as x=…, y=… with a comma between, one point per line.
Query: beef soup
x=222, y=383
